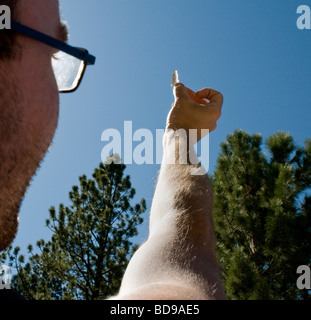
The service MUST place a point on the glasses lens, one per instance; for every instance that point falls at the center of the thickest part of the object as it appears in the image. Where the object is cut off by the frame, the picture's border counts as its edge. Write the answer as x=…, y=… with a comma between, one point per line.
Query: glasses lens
x=68, y=71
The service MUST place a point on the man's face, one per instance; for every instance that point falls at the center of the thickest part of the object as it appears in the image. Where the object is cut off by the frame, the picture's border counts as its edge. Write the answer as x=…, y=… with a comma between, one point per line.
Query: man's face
x=29, y=105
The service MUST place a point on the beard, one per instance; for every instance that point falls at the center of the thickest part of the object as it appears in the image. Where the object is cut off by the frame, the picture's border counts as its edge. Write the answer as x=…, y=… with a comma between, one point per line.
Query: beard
x=22, y=149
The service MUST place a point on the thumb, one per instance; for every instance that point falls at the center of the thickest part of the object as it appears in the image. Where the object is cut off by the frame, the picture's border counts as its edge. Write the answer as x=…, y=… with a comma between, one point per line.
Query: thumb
x=180, y=91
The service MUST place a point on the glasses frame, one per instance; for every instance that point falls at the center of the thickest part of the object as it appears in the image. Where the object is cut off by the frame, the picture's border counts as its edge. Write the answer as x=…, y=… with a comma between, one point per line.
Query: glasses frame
x=79, y=53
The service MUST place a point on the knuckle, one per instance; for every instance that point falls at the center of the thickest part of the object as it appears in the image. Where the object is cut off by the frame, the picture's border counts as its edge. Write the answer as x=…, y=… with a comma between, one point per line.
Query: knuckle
x=220, y=95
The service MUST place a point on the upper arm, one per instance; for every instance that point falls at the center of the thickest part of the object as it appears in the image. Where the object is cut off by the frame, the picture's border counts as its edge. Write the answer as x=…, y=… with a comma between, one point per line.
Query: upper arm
x=162, y=269
x=163, y=291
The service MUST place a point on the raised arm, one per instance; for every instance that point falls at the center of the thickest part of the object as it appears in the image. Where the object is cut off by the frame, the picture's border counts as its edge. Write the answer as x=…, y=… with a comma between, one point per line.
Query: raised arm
x=178, y=260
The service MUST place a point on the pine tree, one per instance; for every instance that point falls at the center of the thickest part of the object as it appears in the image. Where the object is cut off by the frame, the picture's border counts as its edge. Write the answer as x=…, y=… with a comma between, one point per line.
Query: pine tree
x=263, y=215
x=90, y=244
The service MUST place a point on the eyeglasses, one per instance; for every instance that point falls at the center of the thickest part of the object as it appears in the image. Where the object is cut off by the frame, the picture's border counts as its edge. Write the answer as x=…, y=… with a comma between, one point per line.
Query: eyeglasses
x=69, y=63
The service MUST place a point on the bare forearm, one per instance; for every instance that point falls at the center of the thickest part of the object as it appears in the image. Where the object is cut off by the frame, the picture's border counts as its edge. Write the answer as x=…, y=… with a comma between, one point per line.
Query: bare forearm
x=180, y=249
x=183, y=194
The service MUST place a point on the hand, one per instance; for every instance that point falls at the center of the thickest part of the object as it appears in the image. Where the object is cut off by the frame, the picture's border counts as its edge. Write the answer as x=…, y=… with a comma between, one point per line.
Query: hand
x=195, y=110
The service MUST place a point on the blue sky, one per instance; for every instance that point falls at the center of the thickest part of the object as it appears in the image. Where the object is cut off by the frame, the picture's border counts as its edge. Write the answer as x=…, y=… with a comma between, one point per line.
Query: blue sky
x=251, y=51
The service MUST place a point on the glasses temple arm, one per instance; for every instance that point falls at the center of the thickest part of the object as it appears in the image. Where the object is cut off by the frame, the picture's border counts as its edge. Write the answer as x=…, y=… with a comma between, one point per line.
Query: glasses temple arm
x=62, y=46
